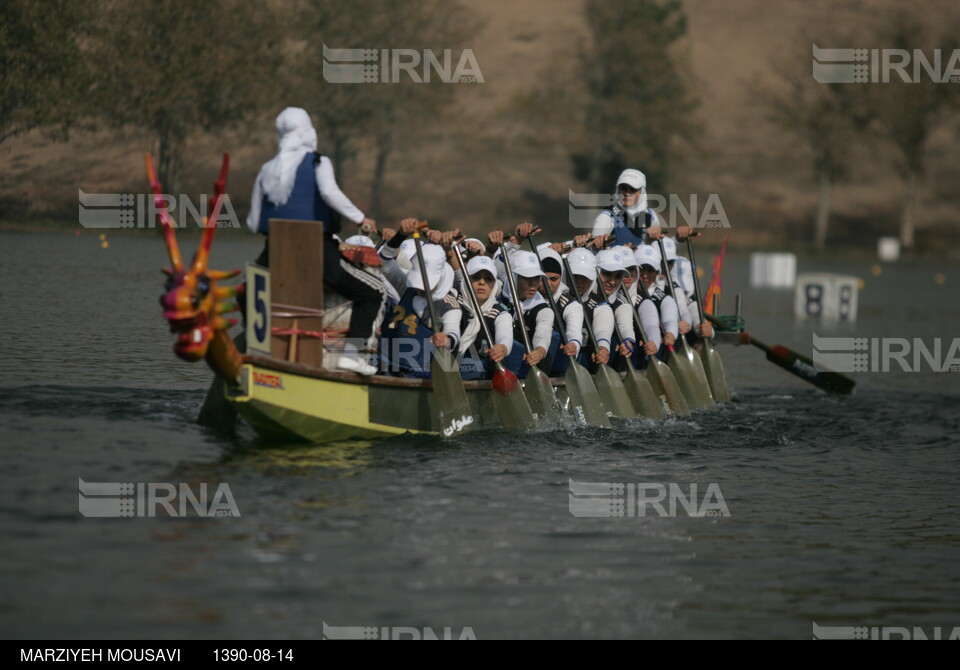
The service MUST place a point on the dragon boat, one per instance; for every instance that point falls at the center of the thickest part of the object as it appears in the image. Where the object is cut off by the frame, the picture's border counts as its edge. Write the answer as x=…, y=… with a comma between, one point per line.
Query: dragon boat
x=272, y=374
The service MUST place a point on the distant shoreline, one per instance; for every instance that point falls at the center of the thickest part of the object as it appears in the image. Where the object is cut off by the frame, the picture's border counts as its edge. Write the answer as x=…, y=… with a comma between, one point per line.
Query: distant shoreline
x=66, y=225
x=710, y=246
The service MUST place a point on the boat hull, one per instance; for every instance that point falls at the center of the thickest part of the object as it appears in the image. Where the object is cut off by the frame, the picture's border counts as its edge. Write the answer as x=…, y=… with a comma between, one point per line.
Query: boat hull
x=290, y=401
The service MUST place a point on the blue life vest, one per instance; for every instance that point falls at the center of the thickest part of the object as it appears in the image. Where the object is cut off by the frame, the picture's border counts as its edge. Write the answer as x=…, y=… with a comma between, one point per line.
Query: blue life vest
x=627, y=234
x=304, y=203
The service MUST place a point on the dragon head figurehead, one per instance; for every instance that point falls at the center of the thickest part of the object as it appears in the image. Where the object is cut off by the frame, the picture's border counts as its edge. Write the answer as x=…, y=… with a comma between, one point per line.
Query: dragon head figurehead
x=193, y=303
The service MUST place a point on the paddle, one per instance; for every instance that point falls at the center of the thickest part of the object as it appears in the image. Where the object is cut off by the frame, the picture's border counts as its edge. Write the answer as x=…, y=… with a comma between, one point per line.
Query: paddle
x=508, y=397
x=609, y=385
x=638, y=388
x=680, y=368
x=538, y=388
x=694, y=382
x=799, y=365
x=712, y=364
x=661, y=379
x=454, y=414
x=585, y=401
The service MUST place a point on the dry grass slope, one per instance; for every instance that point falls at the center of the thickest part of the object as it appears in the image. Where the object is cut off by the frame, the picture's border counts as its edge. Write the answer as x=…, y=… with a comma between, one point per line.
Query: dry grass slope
x=482, y=167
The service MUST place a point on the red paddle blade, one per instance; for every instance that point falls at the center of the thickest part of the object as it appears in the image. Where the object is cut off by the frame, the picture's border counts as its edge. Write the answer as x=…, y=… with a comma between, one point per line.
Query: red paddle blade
x=504, y=381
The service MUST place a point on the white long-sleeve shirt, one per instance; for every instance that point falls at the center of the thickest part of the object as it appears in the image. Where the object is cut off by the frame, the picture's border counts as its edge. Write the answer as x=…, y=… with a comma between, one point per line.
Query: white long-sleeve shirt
x=650, y=322
x=682, y=272
x=603, y=318
x=450, y=320
x=572, y=318
x=391, y=270
x=669, y=316
x=623, y=316
x=603, y=321
x=502, y=332
x=543, y=330
x=329, y=191
x=683, y=305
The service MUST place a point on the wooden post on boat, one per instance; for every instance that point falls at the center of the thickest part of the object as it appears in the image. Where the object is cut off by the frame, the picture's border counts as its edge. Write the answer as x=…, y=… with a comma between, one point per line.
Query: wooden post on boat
x=296, y=278
x=294, y=340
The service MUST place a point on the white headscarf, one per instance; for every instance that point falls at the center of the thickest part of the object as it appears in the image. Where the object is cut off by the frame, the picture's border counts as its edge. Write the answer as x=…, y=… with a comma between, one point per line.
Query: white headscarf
x=636, y=179
x=297, y=138
x=439, y=274
x=525, y=305
x=583, y=260
x=470, y=333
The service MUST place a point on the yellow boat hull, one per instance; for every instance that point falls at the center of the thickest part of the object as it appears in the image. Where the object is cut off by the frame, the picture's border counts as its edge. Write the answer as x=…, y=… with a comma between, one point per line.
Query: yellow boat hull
x=288, y=401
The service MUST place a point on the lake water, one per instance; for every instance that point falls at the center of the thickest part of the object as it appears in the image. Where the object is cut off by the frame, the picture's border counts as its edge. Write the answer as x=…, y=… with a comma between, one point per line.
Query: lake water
x=843, y=511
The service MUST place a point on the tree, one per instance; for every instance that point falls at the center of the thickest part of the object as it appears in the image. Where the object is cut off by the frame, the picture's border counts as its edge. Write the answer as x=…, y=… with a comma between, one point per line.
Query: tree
x=390, y=115
x=826, y=118
x=177, y=68
x=908, y=112
x=42, y=65
x=638, y=97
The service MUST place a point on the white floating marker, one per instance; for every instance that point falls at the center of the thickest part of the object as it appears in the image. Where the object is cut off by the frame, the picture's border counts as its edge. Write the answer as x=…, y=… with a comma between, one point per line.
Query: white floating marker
x=828, y=297
x=773, y=270
x=888, y=249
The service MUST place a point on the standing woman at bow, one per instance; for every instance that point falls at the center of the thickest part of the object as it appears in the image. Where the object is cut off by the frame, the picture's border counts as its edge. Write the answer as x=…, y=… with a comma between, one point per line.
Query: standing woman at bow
x=299, y=183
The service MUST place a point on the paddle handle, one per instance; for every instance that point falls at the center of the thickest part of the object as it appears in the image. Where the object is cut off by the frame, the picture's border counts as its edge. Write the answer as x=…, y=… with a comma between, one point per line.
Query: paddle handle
x=576, y=294
x=518, y=303
x=696, y=281
x=616, y=326
x=474, y=299
x=426, y=282
x=681, y=338
x=665, y=269
x=636, y=317
x=558, y=318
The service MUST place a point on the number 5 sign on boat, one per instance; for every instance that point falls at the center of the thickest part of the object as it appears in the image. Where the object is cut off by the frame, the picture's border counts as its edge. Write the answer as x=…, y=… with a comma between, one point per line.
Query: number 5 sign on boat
x=258, y=308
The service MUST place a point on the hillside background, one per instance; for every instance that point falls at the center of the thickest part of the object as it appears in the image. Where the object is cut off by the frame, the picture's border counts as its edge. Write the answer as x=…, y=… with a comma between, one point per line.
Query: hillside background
x=488, y=162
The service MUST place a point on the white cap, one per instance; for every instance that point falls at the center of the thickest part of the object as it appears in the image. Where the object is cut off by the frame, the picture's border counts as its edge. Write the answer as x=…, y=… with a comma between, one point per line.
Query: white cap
x=647, y=255
x=482, y=264
x=525, y=264
x=611, y=260
x=409, y=248
x=670, y=247
x=632, y=178
x=360, y=241
x=435, y=261
x=627, y=254
x=583, y=263
x=549, y=254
